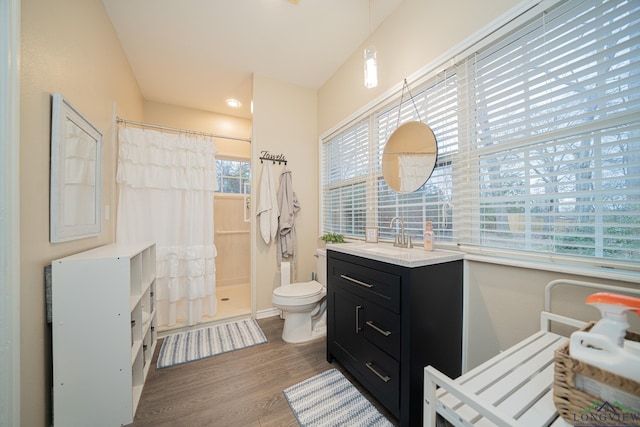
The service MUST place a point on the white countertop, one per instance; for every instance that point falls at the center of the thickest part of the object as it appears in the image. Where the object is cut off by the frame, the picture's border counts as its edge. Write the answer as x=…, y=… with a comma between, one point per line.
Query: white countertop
x=386, y=252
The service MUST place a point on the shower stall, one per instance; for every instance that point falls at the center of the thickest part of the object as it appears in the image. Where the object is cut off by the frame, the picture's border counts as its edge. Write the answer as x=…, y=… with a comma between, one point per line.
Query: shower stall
x=179, y=189
x=233, y=263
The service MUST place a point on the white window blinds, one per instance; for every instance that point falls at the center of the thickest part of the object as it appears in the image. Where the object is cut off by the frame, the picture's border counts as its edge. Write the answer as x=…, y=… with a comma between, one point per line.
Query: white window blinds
x=355, y=194
x=538, y=141
x=346, y=165
x=554, y=146
x=435, y=104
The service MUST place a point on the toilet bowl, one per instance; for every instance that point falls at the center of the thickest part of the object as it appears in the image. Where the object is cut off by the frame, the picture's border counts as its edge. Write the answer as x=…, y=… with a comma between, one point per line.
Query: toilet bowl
x=303, y=305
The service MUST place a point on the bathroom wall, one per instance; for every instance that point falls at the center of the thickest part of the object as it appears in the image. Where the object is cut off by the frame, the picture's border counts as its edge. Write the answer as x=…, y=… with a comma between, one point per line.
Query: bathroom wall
x=284, y=122
x=416, y=34
x=505, y=302
x=203, y=121
x=68, y=47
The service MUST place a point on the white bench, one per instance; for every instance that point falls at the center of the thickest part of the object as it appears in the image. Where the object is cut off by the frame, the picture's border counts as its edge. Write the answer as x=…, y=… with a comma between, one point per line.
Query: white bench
x=514, y=388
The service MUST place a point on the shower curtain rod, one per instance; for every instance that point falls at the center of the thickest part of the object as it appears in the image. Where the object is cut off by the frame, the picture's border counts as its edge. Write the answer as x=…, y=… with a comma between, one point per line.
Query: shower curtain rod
x=148, y=125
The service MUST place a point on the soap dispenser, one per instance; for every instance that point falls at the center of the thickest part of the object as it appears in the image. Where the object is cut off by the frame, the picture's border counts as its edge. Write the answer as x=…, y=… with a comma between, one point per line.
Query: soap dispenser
x=428, y=236
x=604, y=345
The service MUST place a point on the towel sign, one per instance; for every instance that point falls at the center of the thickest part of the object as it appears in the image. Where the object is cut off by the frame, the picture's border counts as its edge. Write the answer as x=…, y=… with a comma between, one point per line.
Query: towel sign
x=280, y=158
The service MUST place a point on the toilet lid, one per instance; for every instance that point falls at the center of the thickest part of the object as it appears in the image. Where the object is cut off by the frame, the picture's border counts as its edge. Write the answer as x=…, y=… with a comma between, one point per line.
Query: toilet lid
x=299, y=290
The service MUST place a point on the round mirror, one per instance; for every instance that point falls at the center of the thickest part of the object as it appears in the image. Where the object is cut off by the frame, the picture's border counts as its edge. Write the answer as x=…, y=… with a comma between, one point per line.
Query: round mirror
x=409, y=157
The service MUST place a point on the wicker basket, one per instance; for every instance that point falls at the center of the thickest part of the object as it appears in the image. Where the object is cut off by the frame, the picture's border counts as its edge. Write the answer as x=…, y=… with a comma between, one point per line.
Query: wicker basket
x=575, y=406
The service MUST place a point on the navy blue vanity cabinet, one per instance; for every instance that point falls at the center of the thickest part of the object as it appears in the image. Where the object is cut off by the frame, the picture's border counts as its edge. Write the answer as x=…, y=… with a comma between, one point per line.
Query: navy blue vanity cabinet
x=386, y=322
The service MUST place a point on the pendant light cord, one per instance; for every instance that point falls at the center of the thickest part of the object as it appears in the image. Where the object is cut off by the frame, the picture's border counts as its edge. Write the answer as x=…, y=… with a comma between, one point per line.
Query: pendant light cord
x=370, y=18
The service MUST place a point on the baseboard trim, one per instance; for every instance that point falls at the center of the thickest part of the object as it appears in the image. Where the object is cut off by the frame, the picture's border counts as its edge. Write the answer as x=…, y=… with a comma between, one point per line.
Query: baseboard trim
x=270, y=312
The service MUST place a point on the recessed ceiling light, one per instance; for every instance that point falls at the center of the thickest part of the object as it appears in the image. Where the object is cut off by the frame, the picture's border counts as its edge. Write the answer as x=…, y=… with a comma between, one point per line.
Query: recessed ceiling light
x=233, y=103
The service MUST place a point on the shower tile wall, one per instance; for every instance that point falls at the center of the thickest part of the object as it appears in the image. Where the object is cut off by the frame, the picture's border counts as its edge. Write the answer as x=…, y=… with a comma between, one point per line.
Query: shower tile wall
x=232, y=241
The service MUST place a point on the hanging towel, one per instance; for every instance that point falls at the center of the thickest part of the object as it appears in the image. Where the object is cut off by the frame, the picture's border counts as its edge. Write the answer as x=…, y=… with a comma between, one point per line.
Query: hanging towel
x=267, y=210
x=412, y=171
x=289, y=206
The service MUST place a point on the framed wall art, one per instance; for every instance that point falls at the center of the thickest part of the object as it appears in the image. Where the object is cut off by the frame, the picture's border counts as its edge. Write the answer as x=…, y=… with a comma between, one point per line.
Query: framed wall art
x=371, y=234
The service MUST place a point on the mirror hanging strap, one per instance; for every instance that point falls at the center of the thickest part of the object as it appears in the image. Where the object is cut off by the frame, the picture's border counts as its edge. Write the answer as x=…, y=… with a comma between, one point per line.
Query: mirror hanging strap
x=406, y=85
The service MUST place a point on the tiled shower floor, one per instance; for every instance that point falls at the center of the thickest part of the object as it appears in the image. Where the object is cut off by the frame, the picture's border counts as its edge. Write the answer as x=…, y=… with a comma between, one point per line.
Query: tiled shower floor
x=233, y=301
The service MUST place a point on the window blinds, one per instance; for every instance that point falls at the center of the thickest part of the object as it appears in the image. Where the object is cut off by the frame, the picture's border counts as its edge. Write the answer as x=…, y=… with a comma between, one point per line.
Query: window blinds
x=554, y=145
x=434, y=104
x=355, y=194
x=538, y=142
x=346, y=165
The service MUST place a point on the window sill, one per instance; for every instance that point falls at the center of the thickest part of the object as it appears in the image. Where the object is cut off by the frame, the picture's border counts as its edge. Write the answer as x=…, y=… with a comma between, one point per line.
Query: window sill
x=609, y=273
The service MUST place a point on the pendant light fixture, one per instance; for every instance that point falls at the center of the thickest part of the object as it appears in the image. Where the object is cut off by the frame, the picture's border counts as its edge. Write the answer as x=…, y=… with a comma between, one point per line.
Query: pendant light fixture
x=370, y=61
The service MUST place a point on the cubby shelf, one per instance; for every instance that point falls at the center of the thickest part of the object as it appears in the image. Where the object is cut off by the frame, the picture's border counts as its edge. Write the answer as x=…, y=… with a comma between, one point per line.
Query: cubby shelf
x=104, y=333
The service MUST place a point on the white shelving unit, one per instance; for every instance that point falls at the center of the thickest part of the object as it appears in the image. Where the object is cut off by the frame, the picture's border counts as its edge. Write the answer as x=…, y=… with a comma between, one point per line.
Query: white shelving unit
x=104, y=333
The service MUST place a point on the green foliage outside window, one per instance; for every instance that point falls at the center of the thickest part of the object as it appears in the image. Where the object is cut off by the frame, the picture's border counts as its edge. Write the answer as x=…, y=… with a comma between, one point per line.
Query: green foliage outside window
x=233, y=176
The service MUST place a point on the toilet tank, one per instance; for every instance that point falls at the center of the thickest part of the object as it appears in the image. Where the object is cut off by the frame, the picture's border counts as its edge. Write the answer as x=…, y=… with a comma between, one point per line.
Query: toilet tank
x=321, y=255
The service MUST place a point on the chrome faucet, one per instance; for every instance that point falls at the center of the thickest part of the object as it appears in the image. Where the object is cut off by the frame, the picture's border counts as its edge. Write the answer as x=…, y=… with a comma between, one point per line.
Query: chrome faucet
x=401, y=241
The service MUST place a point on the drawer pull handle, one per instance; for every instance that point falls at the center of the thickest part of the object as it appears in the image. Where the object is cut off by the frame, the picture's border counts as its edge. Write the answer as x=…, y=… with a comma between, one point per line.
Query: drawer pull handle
x=385, y=333
x=384, y=378
x=358, y=328
x=358, y=282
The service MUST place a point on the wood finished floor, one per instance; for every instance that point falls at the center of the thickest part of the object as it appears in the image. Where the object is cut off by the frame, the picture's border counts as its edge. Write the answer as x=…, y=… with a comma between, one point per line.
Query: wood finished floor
x=240, y=388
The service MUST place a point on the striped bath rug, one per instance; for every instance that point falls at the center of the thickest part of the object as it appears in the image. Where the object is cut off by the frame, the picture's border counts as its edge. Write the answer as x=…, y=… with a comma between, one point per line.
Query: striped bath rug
x=329, y=399
x=206, y=342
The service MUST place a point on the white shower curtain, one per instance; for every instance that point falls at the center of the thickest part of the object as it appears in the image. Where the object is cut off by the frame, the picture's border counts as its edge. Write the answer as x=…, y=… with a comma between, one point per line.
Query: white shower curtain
x=166, y=185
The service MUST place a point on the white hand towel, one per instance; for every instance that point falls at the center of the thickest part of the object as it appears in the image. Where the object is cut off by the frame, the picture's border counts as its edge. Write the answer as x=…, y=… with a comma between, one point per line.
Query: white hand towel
x=267, y=210
x=413, y=171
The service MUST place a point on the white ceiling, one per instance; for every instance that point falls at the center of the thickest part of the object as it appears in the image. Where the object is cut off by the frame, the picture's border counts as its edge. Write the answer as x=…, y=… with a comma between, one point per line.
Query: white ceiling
x=198, y=53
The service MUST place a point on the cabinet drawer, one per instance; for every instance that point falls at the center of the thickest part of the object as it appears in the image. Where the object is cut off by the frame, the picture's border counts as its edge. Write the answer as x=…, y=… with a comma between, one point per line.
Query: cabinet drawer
x=383, y=373
x=382, y=328
x=378, y=286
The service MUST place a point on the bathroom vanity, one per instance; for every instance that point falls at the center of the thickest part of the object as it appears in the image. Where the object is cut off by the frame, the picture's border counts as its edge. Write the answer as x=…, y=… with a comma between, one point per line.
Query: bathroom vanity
x=390, y=313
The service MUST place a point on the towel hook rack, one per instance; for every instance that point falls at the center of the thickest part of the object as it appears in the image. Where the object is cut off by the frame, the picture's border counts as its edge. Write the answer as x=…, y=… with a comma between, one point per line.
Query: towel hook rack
x=266, y=155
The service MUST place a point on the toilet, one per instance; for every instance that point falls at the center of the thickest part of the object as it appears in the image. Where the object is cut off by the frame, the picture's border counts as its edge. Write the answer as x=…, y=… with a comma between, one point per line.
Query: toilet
x=304, y=305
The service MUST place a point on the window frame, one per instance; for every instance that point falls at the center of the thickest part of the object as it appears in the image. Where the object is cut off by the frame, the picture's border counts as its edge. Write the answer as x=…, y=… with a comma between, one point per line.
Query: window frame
x=244, y=189
x=491, y=35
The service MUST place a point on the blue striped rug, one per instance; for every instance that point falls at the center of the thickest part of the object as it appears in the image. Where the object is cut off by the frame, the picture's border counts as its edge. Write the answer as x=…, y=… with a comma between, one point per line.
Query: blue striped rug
x=329, y=399
x=206, y=342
